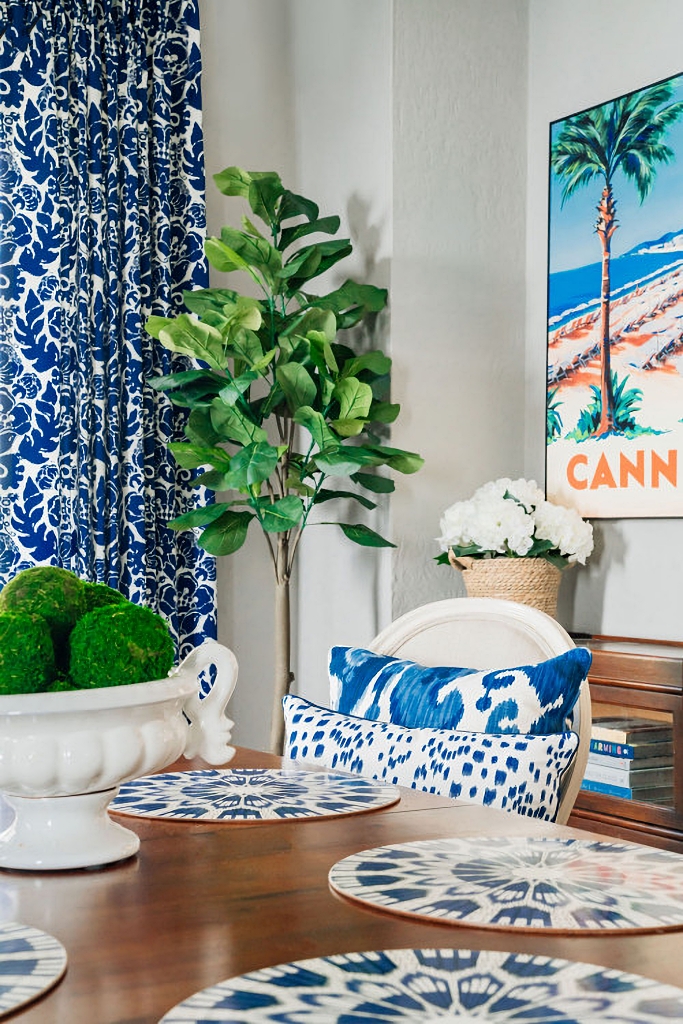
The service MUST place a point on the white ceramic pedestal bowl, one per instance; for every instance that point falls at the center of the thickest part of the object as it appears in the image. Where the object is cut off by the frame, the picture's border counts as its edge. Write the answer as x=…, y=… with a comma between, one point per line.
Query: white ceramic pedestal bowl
x=64, y=755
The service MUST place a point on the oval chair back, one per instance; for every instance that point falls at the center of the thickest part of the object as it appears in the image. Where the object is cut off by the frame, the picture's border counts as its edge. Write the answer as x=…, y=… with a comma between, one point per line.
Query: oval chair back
x=486, y=633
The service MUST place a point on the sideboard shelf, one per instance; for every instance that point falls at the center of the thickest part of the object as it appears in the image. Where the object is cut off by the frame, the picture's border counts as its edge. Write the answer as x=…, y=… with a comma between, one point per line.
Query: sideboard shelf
x=643, y=677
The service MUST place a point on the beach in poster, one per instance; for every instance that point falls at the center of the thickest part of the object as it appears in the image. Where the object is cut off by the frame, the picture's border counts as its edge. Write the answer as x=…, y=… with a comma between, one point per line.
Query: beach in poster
x=614, y=430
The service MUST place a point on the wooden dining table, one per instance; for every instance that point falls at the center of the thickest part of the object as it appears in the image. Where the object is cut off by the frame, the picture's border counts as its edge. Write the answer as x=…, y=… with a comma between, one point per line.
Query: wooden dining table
x=204, y=901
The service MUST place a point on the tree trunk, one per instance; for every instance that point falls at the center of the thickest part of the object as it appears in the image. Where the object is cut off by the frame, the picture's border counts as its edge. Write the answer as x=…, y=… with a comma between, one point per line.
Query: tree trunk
x=606, y=226
x=283, y=648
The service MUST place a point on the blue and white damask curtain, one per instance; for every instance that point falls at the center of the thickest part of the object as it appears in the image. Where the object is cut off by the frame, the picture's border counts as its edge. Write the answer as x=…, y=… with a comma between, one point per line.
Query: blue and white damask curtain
x=101, y=224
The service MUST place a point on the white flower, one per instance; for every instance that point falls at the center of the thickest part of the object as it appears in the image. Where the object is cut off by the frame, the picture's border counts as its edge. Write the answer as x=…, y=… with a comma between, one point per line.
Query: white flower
x=565, y=529
x=526, y=491
x=507, y=517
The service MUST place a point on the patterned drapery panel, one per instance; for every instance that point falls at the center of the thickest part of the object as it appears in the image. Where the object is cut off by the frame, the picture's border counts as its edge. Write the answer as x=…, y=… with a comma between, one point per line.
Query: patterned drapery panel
x=102, y=222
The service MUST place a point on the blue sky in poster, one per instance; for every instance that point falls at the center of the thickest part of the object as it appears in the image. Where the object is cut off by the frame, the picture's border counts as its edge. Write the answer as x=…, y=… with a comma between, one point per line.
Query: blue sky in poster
x=573, y=241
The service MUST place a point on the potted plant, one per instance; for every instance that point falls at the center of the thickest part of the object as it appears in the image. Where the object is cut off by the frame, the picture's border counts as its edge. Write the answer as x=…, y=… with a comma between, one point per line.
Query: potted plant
x=278, y=405
x=89, y=699
x=509, y=542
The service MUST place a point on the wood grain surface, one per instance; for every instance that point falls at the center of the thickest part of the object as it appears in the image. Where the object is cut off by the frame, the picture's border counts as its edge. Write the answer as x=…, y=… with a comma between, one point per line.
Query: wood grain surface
x=202, y=902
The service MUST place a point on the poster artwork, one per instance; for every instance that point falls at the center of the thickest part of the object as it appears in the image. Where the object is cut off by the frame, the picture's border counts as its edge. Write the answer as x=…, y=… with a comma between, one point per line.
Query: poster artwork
x=614, y=417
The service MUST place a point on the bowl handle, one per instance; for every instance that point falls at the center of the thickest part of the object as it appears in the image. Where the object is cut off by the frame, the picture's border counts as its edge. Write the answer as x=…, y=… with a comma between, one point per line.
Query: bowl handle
x=209, y=731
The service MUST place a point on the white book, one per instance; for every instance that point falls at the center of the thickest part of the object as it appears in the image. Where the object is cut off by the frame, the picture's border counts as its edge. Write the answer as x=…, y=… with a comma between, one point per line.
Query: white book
x=645, y=778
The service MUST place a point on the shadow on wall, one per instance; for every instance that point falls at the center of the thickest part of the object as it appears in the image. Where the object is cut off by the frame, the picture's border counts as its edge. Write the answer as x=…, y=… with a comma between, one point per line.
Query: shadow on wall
x=589, y=615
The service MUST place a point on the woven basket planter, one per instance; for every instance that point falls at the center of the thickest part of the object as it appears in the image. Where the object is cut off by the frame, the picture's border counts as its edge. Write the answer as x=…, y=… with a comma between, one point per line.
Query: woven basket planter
x=531, y=581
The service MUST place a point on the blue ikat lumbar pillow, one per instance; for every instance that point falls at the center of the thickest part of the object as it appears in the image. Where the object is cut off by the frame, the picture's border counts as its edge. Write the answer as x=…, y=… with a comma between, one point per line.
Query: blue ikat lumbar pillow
x=530, y=698
x=520, y=773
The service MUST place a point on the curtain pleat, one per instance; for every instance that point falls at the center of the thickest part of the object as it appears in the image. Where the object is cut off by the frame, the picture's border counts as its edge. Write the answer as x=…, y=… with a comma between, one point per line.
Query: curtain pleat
x=102, y=222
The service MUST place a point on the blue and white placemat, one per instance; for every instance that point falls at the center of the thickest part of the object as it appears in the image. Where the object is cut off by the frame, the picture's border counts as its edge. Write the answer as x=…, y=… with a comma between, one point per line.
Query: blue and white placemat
x=505, y=883
x=31, y=962
x=250, y=794
x=424, y=986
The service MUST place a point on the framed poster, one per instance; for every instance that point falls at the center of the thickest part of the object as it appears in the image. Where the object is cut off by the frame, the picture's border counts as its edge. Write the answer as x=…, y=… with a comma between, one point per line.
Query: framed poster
x=614, y=413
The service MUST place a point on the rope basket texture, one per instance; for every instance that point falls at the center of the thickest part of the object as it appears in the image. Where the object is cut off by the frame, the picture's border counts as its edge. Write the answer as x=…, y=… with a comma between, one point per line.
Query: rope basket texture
x=530, y=581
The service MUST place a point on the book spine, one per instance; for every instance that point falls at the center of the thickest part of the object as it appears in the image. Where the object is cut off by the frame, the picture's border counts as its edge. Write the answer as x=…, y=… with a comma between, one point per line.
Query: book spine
x=603, y=787
x=626, y=765
x=647, y=778
x=614, y=749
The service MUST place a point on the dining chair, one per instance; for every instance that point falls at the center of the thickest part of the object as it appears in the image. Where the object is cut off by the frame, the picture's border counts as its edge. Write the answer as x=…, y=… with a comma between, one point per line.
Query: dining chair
x=487, y=633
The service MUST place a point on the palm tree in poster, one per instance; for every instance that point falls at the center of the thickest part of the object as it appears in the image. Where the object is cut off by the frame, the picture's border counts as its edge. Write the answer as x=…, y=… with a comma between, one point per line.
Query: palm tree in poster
x=627, y=135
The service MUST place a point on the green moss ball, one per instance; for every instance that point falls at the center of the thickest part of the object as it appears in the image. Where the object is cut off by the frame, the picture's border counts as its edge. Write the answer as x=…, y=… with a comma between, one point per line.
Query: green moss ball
x=53, y=593
x=97, y=595
x=27, y=659
x=119, y=644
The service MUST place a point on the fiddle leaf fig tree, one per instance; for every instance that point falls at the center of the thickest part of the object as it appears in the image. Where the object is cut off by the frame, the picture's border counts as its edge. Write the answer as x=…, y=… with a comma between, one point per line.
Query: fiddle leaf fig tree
x=279, y=407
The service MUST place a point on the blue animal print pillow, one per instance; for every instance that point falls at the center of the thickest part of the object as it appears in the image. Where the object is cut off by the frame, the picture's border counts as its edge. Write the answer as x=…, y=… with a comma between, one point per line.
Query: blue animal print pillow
x=529, y=699
x=519, y=772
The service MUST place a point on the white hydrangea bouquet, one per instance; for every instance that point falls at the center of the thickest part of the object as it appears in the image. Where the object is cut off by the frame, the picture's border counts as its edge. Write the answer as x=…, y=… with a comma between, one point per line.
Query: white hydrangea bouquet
x=511, y=518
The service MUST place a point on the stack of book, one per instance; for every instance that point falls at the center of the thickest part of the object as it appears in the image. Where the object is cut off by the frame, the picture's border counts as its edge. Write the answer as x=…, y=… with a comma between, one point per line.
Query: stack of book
x=631, y=758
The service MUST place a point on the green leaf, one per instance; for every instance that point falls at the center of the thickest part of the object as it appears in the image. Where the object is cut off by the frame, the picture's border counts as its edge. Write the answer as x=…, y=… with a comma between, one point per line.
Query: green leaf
x=314, y=422
x=282, y=515
x=321, y=320
x=294, y=349
x=313, y=260
x=204, y=300
x=351, y=297
x=193, y=338
x=256, y=251
x=155, y=324
x=374, y=482
x=198, y=516
x=212, y=381
x=233, y=181
x=345, y=460
x=325, y=494
x=375, y=362
x=245, y=347
x=265, y=190
x=363, y=535
x=398, y=459
x=231, y=424
x=260, y=364
x=320, y=345
x=244, y=312
x=214, y=479
x=222, y=257
x=254, y=464
x=199, y=429
x=297, y=384
x=348, y=428
x=354, y=397
x=227, y=534
x=250, y=227
x=326, y=225
x=192, y=456
x=292, y=205
x=384, y=412
x=232, y=392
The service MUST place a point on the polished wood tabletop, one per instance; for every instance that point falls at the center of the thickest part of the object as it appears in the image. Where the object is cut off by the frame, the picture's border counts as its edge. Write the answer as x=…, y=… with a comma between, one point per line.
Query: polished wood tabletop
x=204, y=901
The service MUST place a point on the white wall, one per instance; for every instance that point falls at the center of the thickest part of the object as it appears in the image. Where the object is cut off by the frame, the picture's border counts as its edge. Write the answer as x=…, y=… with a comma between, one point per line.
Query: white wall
x=248, y=121
x=584, y=52
x=458, y=266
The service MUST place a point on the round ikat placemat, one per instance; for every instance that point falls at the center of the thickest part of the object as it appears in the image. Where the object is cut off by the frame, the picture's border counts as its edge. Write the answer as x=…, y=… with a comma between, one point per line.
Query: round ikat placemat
x=31, y=962
x=429, y=985
x=250, y=794
x=562, y=885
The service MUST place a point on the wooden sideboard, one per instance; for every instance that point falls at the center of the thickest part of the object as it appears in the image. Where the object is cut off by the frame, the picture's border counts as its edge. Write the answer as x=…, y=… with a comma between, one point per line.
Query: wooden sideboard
x=643, y=677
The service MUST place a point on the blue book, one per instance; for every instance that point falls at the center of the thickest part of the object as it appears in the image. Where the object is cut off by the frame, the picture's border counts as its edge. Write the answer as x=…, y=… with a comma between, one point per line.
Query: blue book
x=631, y=751
x=659, y=795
